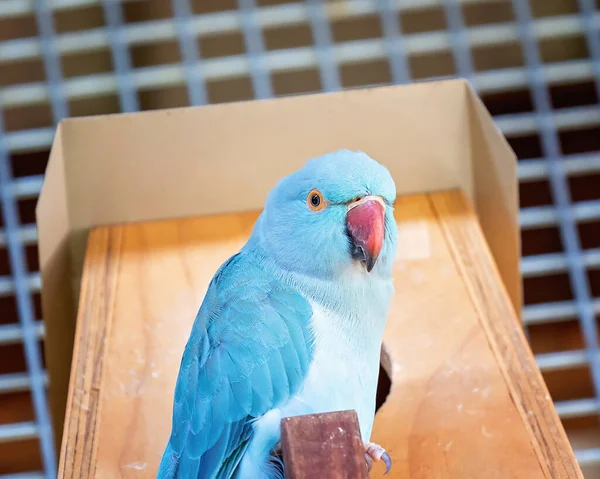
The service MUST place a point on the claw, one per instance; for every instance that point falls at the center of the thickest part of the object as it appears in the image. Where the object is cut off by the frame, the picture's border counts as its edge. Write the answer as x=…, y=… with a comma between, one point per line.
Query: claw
x=376, y=452
x=369, y=462
x=388, y=462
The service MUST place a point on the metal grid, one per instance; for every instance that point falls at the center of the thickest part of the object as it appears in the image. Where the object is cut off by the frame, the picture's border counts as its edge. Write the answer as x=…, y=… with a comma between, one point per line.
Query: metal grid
x=195, y=72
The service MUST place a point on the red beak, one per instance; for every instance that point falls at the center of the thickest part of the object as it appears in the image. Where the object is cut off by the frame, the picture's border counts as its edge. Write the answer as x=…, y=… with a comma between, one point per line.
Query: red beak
x=365, y=221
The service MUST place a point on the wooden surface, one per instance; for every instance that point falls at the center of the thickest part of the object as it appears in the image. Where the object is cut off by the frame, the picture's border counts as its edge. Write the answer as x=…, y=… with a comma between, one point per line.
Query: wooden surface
x=467, y=400
x=323, y=445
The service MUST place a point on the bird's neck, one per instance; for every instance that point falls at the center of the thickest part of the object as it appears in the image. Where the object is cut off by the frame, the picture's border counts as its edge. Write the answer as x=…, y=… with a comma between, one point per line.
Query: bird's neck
x=359, y=300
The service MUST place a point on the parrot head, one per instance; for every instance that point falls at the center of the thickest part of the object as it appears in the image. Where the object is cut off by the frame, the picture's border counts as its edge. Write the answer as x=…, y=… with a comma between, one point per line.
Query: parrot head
x=331, y=217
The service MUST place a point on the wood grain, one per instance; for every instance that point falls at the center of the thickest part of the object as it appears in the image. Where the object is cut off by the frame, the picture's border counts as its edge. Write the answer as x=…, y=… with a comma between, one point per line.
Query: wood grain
x=507, y=340
x=449, y=413
x=467, y=400
x=323, y=445
x=141, y=288
x=101, y=266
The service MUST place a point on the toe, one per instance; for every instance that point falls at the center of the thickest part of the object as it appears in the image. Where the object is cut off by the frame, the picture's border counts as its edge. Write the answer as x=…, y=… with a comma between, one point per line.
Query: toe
x=374, y=450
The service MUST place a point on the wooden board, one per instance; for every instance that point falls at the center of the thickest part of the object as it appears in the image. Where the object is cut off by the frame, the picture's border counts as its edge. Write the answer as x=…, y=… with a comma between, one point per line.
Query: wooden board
x=467, y=399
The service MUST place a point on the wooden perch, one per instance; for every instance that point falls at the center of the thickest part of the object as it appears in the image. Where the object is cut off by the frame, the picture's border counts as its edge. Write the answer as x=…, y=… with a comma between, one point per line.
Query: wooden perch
x=467, y=398
x=323, y=445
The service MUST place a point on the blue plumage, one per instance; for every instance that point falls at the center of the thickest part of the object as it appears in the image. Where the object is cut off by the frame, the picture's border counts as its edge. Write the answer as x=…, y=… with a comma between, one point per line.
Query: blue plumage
x=291, y=324
x=249, y=350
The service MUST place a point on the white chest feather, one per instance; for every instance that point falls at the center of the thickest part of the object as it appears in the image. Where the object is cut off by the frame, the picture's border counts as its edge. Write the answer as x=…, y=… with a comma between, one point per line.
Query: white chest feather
x=343, y=373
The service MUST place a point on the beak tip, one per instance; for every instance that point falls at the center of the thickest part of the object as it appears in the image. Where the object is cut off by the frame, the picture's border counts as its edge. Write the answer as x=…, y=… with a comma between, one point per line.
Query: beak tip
x=370, y=264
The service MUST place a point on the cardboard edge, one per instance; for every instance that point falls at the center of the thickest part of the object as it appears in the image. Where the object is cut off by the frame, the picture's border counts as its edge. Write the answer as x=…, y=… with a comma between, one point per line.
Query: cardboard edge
x=53, y=226
x=235, y=105
x=496, y=194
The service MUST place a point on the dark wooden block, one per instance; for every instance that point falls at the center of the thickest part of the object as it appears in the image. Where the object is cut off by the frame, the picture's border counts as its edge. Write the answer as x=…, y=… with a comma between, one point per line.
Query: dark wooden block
x=323, y=445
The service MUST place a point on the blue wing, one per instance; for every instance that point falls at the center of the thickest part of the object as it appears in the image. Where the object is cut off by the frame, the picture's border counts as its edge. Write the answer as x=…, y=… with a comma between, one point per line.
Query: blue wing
x=248, y=351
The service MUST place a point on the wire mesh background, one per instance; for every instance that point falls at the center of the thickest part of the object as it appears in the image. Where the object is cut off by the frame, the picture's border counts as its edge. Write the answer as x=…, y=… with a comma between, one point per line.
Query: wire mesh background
x=535, y=64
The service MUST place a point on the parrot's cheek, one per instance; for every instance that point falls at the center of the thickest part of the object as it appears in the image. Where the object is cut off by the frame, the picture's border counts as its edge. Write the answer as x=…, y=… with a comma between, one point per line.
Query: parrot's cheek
x=365, y=221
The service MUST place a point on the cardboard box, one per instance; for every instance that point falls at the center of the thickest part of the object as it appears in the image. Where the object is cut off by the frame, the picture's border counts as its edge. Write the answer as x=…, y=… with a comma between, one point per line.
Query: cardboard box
x=225, y=158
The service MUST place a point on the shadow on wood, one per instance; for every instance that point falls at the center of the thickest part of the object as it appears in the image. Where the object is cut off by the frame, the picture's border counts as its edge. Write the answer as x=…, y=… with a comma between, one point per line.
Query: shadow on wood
x=323, y=445
x=466, y=400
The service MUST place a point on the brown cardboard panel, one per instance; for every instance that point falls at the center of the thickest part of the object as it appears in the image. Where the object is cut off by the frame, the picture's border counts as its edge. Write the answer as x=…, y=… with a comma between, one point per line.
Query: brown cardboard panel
x=496, y=196
x=223, y=158
x=58, y=307
x=195, y=161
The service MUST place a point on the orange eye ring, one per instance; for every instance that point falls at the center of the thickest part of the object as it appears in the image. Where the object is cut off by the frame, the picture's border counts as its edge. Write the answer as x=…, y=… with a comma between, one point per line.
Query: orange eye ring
x=315, y=200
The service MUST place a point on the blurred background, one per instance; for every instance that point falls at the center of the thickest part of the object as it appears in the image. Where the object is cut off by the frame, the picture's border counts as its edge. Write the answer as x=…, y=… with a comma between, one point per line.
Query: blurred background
x=535, y=64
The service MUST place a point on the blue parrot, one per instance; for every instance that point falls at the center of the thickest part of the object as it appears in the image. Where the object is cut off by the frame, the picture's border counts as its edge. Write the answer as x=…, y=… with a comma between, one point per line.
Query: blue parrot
x=292, y=324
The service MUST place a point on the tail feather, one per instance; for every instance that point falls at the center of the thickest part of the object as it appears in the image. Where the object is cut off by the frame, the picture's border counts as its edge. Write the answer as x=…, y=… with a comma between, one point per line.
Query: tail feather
x=169, y=464
x=231, y=463
x=274, y=468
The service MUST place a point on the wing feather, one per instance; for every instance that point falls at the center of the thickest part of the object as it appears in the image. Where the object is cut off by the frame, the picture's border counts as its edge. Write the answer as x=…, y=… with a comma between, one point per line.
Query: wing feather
x=249, y=350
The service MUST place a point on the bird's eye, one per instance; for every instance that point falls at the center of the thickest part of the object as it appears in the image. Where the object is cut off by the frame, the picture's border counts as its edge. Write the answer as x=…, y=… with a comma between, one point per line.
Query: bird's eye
x=315, y=200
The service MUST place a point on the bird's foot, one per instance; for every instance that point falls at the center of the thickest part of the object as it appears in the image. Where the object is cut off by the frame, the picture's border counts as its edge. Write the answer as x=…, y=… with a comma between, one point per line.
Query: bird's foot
x=376, y=452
